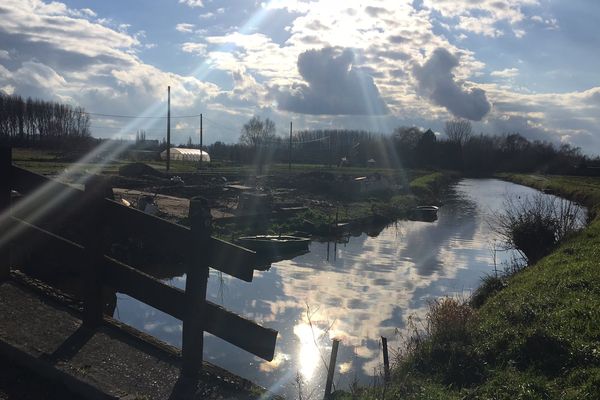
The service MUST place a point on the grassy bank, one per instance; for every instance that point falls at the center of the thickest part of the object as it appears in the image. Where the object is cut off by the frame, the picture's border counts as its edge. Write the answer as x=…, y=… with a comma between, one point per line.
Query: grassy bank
x=582, y=189
x=538, y=338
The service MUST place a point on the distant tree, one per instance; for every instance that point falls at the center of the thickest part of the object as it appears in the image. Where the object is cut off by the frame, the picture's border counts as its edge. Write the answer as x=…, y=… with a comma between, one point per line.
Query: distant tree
x=458, y=131
x=406, y=139
x=189, y=142
x=408, y=136
x=258, y=134
x=25, y=122
x=256, y=131
x=426, y=147
x=515, y=142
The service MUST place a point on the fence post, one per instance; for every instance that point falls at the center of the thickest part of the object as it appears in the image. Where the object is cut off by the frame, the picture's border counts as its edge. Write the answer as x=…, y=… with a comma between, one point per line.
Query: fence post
x=386, y=360
x=331, y=369
x=195, y=287
x=5, y=189
x=93, y=235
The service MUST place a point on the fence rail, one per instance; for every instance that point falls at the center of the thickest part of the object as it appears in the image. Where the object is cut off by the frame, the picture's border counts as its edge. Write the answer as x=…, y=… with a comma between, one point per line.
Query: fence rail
x=50, y=208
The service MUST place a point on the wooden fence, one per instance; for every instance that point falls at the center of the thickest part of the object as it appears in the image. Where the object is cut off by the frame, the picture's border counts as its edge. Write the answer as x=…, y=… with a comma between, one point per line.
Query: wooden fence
x=82, y=224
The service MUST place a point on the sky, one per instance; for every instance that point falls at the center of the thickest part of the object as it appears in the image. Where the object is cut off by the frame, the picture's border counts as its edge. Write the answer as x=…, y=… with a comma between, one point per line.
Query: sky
x=526, y=66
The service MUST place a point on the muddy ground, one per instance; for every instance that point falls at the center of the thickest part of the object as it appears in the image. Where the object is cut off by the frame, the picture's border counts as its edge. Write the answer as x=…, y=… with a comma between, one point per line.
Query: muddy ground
x=278, y=202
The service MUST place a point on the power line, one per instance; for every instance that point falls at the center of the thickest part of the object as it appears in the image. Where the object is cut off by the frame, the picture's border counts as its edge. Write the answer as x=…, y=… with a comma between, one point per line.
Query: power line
x=218, y=125
x=190, y=130
x=134, y=116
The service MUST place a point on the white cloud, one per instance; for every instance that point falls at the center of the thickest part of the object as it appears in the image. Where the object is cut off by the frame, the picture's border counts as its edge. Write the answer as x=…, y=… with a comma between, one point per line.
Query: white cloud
x=74, y=55
x=184, y=28
x=192, y=3
x=83, y=13
x=194, y=48
x=548, y=23
x=56, y=55
x=483, y=16
x=505, y=73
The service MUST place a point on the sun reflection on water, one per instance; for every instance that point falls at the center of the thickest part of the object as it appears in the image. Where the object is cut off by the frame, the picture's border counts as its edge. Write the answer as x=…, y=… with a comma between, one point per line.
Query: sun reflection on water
x=309, y=356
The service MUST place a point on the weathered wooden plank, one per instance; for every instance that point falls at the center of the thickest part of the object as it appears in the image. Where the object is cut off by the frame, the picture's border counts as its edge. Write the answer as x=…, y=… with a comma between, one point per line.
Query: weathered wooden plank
x=27, y=237
x=232, y=259
x=26, y=182
x=144, y=287
x=5, y=188
x=241, y=332
x=35, y=235
x=221, y=255
x=173, y=238
x=224, y=324
x=122, y=218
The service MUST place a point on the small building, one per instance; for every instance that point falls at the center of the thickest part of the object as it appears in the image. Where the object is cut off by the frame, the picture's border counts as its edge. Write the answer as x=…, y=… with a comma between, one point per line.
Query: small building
x=185, y=154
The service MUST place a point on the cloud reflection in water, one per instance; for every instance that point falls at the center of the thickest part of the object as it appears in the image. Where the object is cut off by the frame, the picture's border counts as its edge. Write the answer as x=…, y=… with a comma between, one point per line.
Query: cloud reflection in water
x=370, y=288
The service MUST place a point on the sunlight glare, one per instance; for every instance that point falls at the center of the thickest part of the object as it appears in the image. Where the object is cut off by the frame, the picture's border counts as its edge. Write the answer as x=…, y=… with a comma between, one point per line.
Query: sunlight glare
x=308, y=353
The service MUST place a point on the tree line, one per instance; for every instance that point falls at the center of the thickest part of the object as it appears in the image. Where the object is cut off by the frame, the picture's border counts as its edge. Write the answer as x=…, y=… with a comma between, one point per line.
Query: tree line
x=42, y=123
x=410, y=147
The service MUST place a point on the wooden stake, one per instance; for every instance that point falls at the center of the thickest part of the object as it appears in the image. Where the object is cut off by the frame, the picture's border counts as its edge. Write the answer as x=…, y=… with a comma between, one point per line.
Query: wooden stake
x=195, y=288
x=95, y=191
x=5, y=189
x=168, y=127
x=331, y=369
x=290, y=154
x=386, y=360
x=201, y=140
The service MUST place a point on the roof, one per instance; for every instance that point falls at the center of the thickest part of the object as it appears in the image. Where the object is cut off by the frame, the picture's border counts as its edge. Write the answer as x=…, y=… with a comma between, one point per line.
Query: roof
x=186, y=151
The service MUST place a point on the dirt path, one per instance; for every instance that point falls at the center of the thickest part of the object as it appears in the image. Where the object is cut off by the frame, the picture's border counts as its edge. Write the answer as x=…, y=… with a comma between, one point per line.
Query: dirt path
x=175, y=207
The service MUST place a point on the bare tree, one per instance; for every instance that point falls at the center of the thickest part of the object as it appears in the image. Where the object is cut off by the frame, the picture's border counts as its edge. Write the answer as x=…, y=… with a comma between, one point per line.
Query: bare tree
x=256, y=132
x=458, y=130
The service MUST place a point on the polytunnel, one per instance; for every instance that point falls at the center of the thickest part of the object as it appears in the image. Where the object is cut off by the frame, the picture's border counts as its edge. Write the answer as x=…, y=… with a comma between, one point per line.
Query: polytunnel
x=183, y=154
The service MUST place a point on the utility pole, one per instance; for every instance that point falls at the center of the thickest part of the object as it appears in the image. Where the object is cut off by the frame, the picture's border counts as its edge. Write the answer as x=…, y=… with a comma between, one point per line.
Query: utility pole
x=290, y=154
x=200, y=140
x=168, y=127
x=329, y=151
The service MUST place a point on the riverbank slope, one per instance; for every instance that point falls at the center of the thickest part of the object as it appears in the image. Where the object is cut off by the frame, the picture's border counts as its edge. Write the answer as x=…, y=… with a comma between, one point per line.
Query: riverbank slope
x=539, y=337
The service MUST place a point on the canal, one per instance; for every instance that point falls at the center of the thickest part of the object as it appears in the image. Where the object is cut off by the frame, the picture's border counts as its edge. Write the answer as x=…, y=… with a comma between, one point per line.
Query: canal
x=356, y=291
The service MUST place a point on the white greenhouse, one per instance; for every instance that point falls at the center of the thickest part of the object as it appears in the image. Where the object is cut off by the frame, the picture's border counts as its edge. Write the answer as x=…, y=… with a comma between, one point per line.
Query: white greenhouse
x=182, y=154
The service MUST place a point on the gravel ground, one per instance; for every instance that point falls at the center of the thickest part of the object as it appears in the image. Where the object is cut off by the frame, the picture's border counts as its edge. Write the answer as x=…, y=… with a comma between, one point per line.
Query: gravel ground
x=19, y=384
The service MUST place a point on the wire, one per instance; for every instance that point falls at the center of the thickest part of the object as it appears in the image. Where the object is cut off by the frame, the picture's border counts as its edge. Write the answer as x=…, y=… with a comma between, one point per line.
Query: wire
x=218, y=125
x=191, y=130
x=135, y=116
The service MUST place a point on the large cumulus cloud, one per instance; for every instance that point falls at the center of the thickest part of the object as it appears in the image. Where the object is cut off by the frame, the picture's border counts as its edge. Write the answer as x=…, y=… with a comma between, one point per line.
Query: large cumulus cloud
x=332, y=86
x=437, y=82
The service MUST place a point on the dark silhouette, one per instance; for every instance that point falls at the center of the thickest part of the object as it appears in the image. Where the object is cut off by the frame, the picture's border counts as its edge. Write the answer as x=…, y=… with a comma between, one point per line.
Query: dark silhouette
x=42, y=123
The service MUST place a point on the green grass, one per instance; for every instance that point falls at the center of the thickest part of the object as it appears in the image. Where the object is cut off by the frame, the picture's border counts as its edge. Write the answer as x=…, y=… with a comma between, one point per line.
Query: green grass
x=582, y=189
x=54, y=162
x=428, y=184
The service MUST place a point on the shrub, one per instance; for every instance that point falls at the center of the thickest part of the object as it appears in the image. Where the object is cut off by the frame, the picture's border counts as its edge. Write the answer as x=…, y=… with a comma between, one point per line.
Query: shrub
x=444, y=346
x=534, y=225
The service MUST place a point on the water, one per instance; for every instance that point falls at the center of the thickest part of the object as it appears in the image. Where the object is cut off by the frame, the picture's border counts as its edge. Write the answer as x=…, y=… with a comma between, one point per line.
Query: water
x=357, y=292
